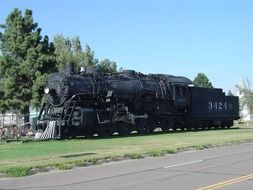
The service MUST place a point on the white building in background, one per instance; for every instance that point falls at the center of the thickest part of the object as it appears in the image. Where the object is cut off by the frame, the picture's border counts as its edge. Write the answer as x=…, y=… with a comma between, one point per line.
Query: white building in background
x=244, y=114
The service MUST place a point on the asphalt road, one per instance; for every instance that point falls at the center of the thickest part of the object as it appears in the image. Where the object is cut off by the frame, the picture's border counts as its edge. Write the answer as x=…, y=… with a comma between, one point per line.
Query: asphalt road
x=227, y=168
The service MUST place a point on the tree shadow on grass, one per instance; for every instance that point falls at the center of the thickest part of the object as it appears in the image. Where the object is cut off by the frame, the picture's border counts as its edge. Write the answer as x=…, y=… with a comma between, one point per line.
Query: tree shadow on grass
x=77, y=155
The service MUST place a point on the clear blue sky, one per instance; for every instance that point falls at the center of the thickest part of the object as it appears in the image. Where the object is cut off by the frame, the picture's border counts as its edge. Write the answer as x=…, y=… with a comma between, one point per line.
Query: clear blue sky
x=180, y=37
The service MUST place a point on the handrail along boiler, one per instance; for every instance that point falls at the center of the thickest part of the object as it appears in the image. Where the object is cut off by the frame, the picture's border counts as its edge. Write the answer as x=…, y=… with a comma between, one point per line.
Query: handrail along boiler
x=91, y=103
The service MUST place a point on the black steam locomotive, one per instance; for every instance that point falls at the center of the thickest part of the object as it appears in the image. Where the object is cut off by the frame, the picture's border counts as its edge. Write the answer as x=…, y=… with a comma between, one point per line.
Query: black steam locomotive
x=91, y=103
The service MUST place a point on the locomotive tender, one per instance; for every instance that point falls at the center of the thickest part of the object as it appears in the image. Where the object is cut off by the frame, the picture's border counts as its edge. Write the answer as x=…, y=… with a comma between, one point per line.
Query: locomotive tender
x=91, y=103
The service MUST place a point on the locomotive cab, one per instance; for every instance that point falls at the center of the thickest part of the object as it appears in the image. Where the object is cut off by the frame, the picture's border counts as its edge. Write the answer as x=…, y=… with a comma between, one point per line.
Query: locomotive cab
x=180, y=95
x=179, y=90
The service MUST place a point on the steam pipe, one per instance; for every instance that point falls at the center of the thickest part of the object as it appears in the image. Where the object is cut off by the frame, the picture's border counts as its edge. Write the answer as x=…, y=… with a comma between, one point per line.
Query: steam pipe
x=69, y=68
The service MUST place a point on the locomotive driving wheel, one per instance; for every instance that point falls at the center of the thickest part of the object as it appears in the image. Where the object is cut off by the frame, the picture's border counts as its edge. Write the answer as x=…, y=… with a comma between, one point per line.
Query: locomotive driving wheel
x=105, y=131
x=142, y=126
x=124, y=129
x=151, y=124
x=167, y=124
x=164, y=125
x=89, y=133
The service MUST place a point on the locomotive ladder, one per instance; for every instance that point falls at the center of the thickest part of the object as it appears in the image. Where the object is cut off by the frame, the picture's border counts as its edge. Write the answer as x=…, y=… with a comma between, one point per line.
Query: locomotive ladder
x=69, y=111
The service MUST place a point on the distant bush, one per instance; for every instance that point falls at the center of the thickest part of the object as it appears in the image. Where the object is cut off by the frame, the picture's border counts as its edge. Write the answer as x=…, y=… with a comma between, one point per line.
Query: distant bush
x=18, y=171
x=134, y=156
x=63, y=166
x=156, y=153
x=170, y=151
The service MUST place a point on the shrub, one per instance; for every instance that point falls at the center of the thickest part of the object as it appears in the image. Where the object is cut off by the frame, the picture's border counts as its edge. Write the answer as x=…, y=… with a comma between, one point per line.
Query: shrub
x=134, y=156
x=156, y=153
x=63, y=166
x=18, y=171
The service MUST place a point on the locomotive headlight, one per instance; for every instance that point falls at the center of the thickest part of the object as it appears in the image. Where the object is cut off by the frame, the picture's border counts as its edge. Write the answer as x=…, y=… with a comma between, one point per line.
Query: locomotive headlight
x=46, y=90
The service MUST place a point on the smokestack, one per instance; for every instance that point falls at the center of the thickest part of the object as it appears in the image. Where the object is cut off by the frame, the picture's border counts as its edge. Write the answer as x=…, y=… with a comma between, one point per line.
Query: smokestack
x=69, y=68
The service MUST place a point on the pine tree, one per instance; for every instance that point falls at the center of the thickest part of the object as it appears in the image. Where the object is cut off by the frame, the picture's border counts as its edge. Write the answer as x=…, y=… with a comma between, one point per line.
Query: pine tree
x=230, y=93
x=89, y=57
x=26, y=59
x=201, y=80
x=107, y=66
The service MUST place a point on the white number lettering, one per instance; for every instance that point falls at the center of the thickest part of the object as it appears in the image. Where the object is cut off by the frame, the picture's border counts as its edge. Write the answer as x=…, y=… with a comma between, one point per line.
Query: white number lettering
x=226, y=106
x=210, y=105
x=215, y=105
x=220, y=105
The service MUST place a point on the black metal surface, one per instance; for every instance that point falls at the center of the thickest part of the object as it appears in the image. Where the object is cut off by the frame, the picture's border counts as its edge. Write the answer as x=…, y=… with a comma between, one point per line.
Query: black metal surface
x=104, y=104
x=211, y=102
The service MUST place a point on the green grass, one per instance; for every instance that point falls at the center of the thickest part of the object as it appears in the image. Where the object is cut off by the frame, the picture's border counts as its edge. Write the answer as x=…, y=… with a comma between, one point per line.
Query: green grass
x=63, y=166
x=134, y=155
x=65, y=154
x=18, y=171
x=156, y=153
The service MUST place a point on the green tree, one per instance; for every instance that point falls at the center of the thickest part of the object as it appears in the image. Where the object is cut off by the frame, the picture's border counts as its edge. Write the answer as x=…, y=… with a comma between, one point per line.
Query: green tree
x=70, y=50
x=89, y=57
x=247, y=95
x=67, y=50
x=230, y=93
x=108, y=66
x=201, y=80
x=26, y=59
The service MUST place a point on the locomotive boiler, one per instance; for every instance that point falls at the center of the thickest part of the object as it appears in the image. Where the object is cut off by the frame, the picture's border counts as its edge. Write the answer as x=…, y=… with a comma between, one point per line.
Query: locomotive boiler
x=92, y=103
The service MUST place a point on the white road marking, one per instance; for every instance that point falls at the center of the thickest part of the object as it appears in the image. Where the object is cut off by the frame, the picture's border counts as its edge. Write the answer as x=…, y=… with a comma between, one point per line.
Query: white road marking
x=182, y=164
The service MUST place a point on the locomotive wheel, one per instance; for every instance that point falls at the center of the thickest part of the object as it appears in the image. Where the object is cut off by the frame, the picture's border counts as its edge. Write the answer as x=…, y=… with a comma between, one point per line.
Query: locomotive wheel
x=124, y=129
x=183, y=127
x=229, y=123
x=151, y=124
x=143, y=130
x=142, y=127
x=89, y=133
x=105, y=131
x=165, y=125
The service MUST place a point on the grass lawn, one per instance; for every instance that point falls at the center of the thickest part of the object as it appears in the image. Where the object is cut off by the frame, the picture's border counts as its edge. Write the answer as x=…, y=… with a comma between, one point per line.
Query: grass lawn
x=79, y=151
